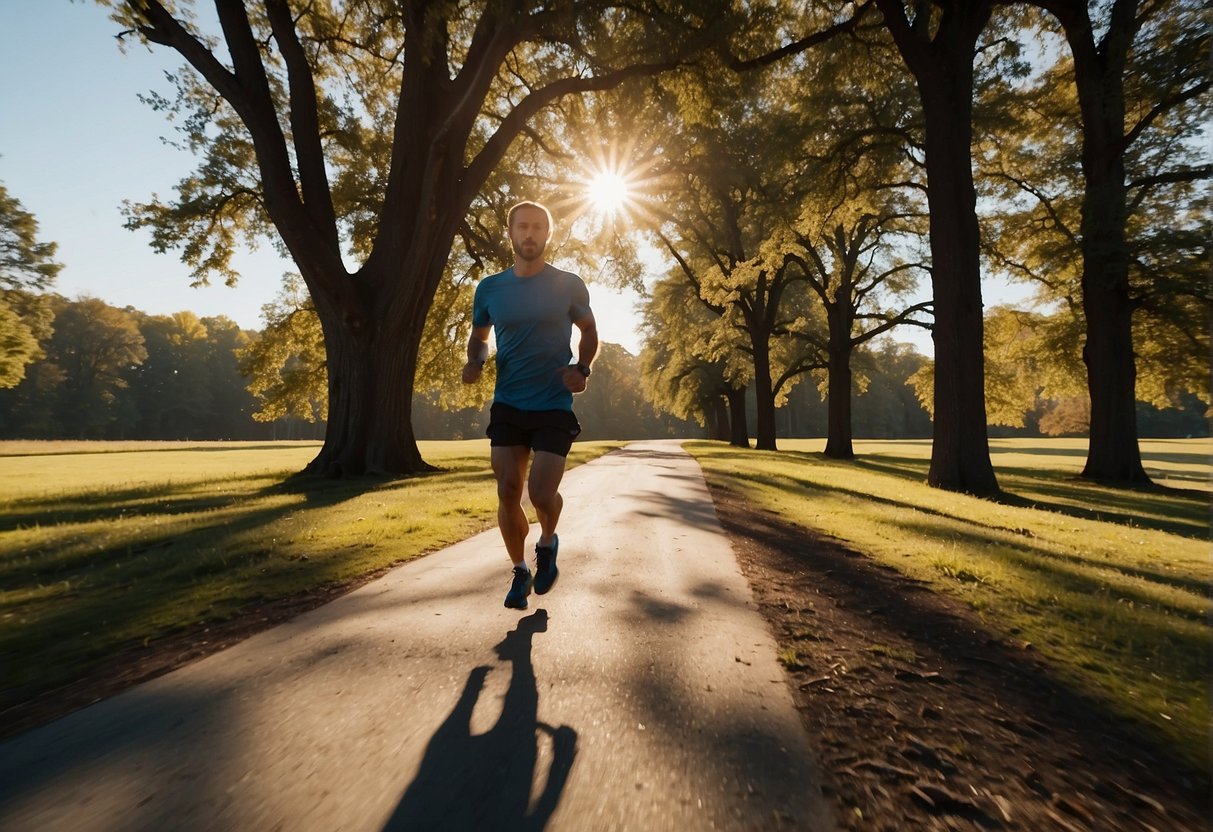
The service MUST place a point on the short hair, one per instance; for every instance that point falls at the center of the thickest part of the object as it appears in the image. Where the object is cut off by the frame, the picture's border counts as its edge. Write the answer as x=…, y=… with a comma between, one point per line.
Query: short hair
x=509, y=218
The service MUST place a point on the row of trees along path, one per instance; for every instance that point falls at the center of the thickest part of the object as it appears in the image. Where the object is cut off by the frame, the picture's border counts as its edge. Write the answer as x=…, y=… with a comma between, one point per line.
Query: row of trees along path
x=386, y=128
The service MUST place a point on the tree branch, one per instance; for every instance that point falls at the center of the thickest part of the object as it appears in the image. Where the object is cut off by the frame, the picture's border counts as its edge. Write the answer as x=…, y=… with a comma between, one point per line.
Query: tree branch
x=796, y=47
x=305, y=124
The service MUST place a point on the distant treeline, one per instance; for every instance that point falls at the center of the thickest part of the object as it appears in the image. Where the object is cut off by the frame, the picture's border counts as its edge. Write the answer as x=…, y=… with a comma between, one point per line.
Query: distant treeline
x=110, y=373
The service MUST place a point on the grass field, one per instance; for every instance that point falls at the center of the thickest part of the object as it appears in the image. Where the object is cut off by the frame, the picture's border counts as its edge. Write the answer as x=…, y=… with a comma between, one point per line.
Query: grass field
x=107, y=546
x=1112, y=586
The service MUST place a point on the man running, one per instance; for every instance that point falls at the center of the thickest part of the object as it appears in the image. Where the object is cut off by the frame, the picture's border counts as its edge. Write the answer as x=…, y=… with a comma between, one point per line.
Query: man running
x=531, y=308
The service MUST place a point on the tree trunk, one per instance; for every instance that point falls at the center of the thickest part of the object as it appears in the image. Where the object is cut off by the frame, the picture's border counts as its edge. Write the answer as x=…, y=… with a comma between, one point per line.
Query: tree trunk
x=960, y=451
x=1113, y=453
x=718, y=419
x=738, y=427
x=943, y=67
x=838, y=426
x=372, y=350
x=764, y=396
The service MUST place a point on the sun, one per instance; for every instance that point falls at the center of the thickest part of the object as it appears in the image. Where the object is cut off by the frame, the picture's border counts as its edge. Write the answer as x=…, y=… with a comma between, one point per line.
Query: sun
x=608, y=191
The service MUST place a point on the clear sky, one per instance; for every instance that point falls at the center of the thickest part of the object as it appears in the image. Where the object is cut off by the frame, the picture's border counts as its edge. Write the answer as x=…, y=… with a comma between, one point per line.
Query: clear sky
x=75, y=142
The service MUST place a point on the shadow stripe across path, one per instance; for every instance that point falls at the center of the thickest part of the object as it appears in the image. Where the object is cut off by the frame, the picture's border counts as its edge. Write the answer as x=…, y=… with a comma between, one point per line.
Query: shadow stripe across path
x=642, y=693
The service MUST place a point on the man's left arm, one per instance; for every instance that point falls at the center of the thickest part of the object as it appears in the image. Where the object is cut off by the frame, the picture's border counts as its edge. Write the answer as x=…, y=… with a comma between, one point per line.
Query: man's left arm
x=575, y=375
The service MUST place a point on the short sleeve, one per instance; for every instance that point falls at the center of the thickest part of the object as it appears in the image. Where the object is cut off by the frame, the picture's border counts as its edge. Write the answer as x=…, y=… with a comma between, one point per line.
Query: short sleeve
x=480, y=309
x=579, y=300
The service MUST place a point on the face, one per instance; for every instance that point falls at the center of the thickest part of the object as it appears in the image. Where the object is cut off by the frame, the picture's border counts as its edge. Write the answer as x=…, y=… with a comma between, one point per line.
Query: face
x=529, y=233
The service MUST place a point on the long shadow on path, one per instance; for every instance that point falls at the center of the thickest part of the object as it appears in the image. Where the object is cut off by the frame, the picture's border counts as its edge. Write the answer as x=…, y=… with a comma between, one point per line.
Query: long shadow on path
x=484, y=781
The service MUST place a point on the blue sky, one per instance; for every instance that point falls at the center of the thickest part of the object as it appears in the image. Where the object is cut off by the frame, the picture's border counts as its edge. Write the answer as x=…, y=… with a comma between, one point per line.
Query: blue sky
x=75, y=141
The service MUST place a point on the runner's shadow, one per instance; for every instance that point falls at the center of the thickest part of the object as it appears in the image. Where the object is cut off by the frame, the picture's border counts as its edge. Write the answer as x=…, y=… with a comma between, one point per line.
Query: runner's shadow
x=484, y=781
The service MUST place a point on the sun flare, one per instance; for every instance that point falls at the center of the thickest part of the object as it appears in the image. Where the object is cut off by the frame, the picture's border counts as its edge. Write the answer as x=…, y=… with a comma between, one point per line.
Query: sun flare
x=608, y=191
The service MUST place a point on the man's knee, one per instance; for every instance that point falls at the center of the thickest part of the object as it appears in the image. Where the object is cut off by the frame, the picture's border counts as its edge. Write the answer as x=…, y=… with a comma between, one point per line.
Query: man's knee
x=544, y=498
x=509, y=490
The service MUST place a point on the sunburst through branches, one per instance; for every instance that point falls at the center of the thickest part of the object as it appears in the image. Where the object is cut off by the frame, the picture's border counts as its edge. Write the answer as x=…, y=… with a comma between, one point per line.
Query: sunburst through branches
x=614, y=185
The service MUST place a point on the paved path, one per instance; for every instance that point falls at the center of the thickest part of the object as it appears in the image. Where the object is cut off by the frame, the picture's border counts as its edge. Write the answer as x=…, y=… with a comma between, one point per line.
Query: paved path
x=642, y=693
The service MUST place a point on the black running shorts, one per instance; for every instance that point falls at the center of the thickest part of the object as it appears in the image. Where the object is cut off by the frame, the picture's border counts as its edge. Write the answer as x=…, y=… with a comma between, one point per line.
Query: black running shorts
x=552, y=431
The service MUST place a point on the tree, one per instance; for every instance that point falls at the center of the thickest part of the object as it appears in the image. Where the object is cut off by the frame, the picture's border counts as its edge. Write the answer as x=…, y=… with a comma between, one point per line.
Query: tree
x=27, y=269
x=735, y=173
x=95, y=346
x=374, y=126
x=938, y=40
x=285, y=363
x=171, y=386
x=1145, y=74
x=232, y=405
x=677, y=377
x=613, y=405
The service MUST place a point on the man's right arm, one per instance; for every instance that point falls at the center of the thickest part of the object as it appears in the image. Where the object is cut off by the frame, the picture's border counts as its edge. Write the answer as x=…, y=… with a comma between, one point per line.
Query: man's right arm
x=478, y=353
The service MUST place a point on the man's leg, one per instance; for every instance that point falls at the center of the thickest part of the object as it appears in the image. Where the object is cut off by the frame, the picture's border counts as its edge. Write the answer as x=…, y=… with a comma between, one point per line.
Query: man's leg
x=546, y=472
x=509, y=467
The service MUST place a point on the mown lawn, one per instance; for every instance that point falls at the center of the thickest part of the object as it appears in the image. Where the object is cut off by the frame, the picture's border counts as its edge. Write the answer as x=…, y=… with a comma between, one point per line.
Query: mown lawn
x=1112, y=586
x=105, y=547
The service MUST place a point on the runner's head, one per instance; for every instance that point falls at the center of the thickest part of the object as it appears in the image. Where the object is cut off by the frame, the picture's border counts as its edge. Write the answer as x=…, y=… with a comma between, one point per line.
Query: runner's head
x=530, y=227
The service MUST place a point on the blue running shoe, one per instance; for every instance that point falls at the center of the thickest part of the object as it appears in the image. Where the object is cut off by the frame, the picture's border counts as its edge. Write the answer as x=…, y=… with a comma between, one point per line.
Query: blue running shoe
x=546, y=572
x=515, y=599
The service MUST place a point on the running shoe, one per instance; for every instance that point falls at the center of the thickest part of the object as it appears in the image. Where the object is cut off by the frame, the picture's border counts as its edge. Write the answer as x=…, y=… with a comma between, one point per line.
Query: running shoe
x=515, y=599
x=546, y=572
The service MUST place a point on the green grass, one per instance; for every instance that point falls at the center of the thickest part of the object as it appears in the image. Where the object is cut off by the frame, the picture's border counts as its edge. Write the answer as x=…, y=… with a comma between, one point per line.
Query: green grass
x=1112, y=586
x=104, y=551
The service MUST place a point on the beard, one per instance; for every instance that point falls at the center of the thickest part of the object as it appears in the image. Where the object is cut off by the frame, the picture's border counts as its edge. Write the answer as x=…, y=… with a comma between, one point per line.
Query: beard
x=528, y=250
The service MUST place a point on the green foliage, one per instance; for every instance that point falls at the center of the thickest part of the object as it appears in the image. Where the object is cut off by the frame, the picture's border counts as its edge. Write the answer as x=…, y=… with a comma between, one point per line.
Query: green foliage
x=677, y=375
x=27, y=267
x=18, y=346
x=1031, y=163
x=613, y=405
x=24, y=261
x=285, y=364
x=118, y=373
x=94, y=345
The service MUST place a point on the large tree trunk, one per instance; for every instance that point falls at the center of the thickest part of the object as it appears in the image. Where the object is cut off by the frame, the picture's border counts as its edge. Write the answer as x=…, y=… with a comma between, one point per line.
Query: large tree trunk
x=739, y=430
x=838, y=426
x=369, y=429
x=943, y=67
x=1113, y=453
x=960, y=451
x=764, y=397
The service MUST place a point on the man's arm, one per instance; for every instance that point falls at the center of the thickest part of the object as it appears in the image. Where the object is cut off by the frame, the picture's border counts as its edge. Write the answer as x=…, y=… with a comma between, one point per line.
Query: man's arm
x=478, y=353
x=574, y=376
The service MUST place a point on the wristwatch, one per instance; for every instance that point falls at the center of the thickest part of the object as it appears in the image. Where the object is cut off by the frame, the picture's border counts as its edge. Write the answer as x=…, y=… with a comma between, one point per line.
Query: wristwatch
x=584, y=369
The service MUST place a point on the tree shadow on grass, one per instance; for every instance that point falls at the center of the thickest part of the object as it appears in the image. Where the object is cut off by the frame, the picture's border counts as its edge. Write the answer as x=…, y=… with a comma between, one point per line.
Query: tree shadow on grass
x=1039, y=703
x=484, y=781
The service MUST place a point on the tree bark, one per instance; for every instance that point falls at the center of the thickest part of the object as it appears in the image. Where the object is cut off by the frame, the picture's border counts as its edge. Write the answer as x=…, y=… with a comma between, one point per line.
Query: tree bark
x=739, y=431
x=838, y=396
x=1113, y=452
x=718, y=419
x=943, y=67
x=764, y=396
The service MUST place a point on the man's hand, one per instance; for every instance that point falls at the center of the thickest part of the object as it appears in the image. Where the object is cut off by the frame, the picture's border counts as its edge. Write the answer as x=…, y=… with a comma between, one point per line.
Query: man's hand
x=573, y=378
x=472, y=371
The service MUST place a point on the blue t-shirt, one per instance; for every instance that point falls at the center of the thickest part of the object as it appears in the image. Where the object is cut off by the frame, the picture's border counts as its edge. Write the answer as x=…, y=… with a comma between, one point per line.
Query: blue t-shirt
x=532, y=318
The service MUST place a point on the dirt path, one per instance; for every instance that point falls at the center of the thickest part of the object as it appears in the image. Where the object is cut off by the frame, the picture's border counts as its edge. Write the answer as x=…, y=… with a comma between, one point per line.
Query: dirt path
x=923, y=721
